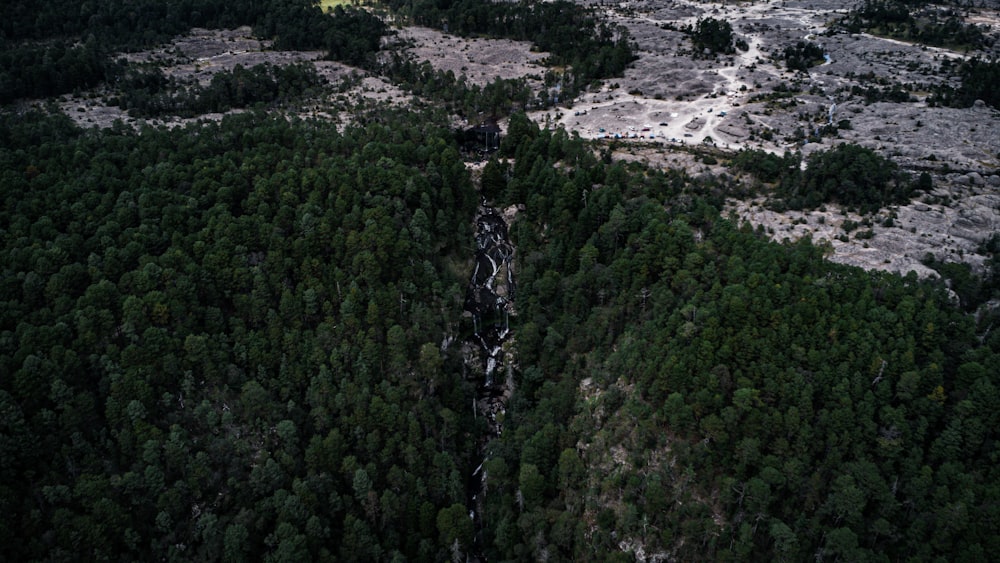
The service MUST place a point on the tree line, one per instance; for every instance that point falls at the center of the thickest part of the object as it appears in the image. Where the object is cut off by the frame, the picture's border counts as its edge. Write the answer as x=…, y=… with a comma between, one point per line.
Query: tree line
x=848, y=174
x=912, y=21
x=573, y=35
x=42, y=61
x=60, y=47
x=978, y=78
x=149, y=93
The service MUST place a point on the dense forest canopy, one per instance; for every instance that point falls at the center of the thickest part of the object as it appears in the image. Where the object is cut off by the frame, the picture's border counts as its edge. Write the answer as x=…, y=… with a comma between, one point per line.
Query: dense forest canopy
x=712, y=36
x=149, y=93
x=979, y=78
x=240, y=340
x=693, y=389
x=803, y=55
x=851, y=175
x=224, y=341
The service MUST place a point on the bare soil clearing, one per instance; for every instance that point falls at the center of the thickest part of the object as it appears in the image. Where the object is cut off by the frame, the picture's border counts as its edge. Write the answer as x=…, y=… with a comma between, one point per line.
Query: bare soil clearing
x=204, y=52
x=668, y=84
x=480, y=60
x=669, y=97
x=950, y=232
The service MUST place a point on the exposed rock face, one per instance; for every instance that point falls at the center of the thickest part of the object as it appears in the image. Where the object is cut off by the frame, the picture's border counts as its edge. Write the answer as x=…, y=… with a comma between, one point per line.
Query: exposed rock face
x=950, y=232
x=488, y=353
x=976, y=217
x=734, y=128
x=751, y=100
x=491, y=289
x=480, y=60
x=695, y=124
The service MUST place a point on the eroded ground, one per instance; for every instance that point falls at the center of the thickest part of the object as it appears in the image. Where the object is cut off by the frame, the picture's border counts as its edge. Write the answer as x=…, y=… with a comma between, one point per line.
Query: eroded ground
x=480, y=60
x=204, y=52
x=672, y=97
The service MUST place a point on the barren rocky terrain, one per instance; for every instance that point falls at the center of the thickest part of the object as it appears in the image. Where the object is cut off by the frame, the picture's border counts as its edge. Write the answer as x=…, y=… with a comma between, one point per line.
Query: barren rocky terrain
x=951, y=232
x=204, y=52
x=671, y=96
x=479, y=60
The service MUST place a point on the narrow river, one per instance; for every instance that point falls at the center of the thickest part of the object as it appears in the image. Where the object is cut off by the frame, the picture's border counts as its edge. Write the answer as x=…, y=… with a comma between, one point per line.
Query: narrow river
x=489, y=301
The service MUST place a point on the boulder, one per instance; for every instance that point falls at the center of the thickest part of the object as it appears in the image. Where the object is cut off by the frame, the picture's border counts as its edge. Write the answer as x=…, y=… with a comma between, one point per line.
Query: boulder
x=695, y=124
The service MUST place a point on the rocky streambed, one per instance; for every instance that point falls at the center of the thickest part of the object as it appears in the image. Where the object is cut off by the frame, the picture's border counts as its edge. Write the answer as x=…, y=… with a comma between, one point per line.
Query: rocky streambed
x=487, y=351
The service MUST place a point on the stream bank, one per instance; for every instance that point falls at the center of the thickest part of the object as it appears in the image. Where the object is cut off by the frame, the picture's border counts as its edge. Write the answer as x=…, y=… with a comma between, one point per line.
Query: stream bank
x=488, y=350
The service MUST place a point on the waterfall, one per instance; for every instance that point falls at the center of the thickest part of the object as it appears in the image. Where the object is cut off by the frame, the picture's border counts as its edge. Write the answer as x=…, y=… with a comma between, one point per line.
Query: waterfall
x=489, y=301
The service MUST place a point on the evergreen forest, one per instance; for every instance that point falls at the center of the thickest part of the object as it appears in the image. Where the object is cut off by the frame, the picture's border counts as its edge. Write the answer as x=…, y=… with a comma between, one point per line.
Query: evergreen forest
x=242, y=339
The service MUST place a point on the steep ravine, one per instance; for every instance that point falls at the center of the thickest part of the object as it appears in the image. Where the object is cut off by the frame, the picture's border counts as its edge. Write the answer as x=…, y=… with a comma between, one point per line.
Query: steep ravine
x=487, y=351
